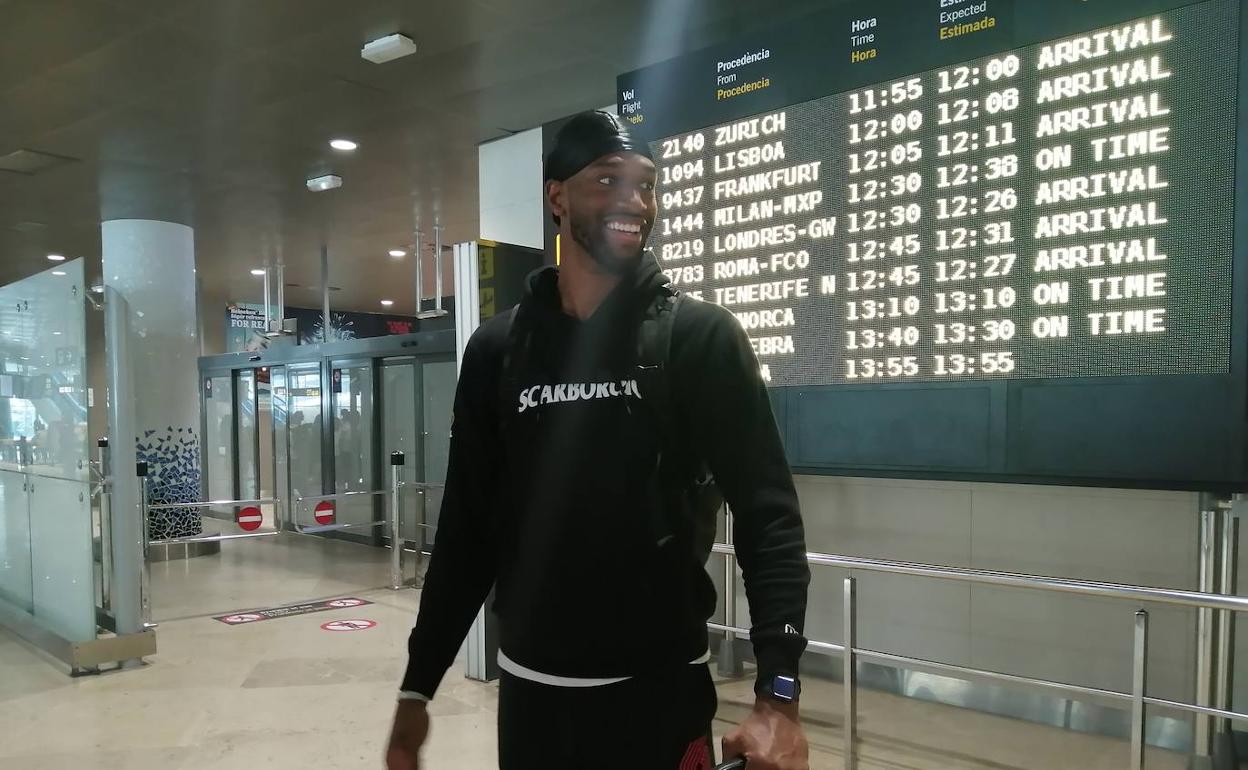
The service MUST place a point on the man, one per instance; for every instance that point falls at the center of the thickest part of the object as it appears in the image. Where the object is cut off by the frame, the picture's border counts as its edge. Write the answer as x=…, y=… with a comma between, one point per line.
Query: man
x=569, y=491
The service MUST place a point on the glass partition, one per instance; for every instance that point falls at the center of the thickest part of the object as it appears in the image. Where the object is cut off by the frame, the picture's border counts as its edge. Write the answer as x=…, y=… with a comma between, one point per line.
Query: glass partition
x=16, y=578
x=46, y=563
x=438, y=390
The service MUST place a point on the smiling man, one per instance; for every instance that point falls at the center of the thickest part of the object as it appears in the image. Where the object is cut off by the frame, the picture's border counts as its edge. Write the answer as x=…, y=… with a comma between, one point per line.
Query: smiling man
x=588, y=424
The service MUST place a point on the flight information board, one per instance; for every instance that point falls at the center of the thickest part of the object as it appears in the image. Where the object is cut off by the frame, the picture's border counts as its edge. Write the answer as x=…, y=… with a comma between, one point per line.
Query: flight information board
x=1059, y=209
x=943, y=191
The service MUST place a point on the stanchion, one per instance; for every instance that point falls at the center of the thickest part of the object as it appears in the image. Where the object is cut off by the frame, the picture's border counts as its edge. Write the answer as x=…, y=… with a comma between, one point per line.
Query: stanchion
x=145, y=525
x=728, y=663
x=1224, y=751
x=106, y=526
x=1205, y=640
x=397, y=460
x=1139, y=682
x=850, y=618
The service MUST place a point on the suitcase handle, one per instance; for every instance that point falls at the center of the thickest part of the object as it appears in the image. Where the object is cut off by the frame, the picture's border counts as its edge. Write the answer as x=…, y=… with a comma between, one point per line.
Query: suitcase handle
x=736, y=764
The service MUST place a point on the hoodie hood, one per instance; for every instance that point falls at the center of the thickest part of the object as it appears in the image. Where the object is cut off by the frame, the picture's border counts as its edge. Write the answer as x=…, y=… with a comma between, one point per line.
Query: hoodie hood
x=635, y=291
x=563, y=344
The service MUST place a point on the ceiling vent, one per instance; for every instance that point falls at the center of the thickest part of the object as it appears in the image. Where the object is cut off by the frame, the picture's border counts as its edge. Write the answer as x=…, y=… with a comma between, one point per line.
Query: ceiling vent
x=31, y=162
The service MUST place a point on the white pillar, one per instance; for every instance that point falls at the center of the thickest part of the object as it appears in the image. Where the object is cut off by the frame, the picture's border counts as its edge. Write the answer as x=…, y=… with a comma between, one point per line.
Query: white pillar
x=152, y=265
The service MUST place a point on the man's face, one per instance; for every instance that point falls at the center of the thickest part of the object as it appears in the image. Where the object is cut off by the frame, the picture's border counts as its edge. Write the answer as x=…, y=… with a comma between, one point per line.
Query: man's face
x=611, y=208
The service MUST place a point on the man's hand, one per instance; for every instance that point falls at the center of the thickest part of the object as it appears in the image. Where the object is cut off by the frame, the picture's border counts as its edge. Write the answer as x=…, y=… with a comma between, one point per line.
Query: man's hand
x=771, y=738
x=411, y=728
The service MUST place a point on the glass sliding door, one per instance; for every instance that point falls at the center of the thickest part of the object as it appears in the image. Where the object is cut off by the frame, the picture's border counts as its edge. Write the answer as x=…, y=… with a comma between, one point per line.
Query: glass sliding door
x=266, y=455
x=401, y=432
x=354, y=440
x=219, y=435
x=248, y=436
x=304, y=437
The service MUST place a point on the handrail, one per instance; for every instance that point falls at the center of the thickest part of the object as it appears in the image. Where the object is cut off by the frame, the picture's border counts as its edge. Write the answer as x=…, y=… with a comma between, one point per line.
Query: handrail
x=215, y=504
x=340, y=495
x=274, y=501
x=1136, y=700
x=214, y=538
x=1022, y=580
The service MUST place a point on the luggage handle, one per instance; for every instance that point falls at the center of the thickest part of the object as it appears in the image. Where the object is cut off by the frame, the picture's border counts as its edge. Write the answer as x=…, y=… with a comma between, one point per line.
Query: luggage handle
x=736, y=764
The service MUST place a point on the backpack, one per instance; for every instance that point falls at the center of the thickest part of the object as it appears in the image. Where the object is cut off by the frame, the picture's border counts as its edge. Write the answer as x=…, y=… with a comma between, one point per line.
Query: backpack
x=690, y=495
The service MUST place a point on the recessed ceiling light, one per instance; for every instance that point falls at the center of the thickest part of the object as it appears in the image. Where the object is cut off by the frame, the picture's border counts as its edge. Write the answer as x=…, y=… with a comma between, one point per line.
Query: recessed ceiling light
x=387, y=302
x=56, y=258
x=398, y=253
x=58, y=272
x=56, y=334
x=343, y=145
x=257, y=271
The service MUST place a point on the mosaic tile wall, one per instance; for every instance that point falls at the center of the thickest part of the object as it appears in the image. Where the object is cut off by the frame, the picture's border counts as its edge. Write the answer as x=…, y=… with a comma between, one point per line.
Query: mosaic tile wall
x=172, y=457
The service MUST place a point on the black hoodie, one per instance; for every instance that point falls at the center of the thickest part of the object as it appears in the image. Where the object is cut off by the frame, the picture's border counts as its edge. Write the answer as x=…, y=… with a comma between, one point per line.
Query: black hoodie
x=553, y=475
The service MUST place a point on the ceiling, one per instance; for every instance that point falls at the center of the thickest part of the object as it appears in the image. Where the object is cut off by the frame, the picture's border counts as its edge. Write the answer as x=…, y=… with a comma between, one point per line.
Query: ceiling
x=213, y=113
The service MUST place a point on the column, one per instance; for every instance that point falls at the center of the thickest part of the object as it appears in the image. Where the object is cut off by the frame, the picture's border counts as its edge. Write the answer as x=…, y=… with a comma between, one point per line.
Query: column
x=152, y=265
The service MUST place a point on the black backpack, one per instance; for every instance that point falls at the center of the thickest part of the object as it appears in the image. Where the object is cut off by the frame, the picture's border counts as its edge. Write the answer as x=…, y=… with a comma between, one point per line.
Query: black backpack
x=691, y=495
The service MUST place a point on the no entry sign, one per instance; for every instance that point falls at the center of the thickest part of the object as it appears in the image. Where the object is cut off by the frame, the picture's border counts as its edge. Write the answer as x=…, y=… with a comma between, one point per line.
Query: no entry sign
x=348, y=625
x=324, y=512
x=249, y=518
x=241, y=618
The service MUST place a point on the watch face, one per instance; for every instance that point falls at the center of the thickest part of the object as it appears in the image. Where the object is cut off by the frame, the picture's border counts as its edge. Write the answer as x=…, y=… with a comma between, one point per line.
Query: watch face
x=784, y=687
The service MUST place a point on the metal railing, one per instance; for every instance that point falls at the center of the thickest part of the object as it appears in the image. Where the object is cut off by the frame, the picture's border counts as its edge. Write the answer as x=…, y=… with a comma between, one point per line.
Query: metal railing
x=290, y=518
x=301, y=506
x=423, y=488
x=276, y=502
x=1137, y=699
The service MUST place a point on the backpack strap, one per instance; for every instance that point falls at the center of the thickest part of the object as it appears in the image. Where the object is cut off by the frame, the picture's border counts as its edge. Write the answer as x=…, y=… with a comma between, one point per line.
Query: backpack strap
x=654, y=347
x=515, y=356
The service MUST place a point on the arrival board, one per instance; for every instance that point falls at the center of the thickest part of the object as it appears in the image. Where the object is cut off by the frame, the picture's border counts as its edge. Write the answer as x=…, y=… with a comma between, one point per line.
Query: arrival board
x=988, y=210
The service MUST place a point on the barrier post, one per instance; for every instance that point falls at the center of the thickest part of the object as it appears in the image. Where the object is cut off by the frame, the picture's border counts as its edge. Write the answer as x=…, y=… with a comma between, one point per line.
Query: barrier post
x=397, y=460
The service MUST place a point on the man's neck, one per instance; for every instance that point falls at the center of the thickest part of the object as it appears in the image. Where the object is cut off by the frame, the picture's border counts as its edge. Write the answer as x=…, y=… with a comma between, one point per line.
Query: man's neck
x=582, y=289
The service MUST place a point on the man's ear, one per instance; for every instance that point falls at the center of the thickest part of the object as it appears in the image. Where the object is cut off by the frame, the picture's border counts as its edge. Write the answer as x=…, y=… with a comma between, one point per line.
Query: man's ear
x=555, y=198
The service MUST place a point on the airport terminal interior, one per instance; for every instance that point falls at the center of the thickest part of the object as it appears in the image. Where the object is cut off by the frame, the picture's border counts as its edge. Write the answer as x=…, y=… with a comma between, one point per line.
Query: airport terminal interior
x=988, y=254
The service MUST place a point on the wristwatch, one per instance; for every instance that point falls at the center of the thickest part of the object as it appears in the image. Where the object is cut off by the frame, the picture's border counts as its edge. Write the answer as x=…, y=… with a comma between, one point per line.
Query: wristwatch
x=781, y=687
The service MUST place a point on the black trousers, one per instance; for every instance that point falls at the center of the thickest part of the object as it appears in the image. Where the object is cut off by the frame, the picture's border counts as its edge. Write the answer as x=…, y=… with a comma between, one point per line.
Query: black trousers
x=657, y=722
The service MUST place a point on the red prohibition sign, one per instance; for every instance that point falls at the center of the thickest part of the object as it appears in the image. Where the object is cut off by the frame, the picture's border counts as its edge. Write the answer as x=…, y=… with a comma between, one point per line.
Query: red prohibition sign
x=249, y=519
x=348, y=625
x=324, y=512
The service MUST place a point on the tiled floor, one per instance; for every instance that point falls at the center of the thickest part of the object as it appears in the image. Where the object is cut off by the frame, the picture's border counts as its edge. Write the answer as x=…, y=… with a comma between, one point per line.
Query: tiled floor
x=285, y=694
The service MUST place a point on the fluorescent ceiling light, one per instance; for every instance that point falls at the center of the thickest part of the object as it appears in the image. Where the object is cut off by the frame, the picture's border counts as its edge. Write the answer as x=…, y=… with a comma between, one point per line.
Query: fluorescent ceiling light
x=58, y=272
x=345, y=145
x=257, y=272
x=398, y=253
x=323, y=183
x=56, y=258
x=387, y=302
x=388, y=48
